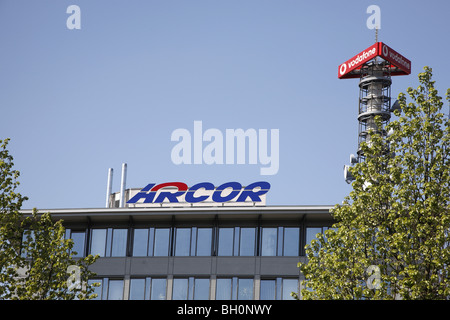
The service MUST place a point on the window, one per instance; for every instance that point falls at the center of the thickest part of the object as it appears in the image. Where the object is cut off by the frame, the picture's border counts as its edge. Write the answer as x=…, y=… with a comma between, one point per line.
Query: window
x=311, y=234
x=28, y=238
x=223, y=289
x=158, y=289
x=97, y=290
x=194, y=241
x=278, y=289
x=204, y=241
x=238, y=241
x=138, y=289
x=247, y=242
x=144, y=242
x=98, y=242
x=187, y=242
x=289, y=285
x=141, y=242
x=245, y=289
x=180, y=289
x=280, y=241
x=109, y=242
x=269, y=242
x=291, y=242
x=147, y=289
x=119, y=242
x=109, y=289
x=162, y=241
x=79, y=238
x=267, y=290
x=225, y=242
x=234, y=289
x=201, y=289
x=190, y=289
x=79, y=241
x=115, y=290
x=182, y=241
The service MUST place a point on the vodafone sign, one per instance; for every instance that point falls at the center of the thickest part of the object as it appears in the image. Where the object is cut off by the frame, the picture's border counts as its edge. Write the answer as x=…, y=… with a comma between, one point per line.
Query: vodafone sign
x=399, y=64
x=357, y=61
x=399, y=61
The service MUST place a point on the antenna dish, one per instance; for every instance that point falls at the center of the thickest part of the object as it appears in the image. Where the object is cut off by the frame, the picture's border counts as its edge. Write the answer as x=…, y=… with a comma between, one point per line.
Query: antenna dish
x=353, y=159
x=347, y=175
x=395, y=106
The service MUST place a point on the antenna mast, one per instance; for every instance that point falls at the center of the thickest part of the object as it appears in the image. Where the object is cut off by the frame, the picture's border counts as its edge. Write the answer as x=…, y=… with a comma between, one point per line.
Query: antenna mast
x=374, y=68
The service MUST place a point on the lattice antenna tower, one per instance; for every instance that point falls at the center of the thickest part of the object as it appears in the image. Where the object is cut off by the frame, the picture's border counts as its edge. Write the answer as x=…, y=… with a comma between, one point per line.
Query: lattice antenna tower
x=374, y=68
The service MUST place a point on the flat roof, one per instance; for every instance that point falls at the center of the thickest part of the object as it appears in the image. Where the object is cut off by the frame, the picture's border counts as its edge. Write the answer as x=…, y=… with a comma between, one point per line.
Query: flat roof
x=319, y=212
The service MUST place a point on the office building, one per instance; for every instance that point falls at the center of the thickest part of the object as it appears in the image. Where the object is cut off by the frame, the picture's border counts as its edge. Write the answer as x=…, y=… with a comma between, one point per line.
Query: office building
x=187, y=252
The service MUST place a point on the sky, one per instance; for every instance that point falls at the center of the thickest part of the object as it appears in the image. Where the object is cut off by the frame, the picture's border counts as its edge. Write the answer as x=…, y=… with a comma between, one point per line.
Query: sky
x=76, y=102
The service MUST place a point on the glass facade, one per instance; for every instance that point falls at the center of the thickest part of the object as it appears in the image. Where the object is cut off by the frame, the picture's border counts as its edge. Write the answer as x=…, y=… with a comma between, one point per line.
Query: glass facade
x=158, y=289
x=237, y=241
x=98, y=242
x=161, y=242
x=191, y=288
x=311, y=233
x=244, y=251
x=79, y=241
x=138, y=289
x=196, y=288
x=269, y=242
x=182, y=242
x=181, y=289
x=143, y=240
x=268, y=289
x=278, y=289
x=108, y=242
x=115, y=289
x=109, y=289
x=193, y=241
x=203, y=242
x=291, y=241
x=234, y=288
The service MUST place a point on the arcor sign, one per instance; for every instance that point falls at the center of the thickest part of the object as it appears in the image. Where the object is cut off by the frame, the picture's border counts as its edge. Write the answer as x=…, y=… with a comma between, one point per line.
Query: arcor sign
x=227, y=192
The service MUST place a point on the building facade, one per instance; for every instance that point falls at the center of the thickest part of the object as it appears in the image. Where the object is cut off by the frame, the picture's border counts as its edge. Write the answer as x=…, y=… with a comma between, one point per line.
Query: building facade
x=190, y=253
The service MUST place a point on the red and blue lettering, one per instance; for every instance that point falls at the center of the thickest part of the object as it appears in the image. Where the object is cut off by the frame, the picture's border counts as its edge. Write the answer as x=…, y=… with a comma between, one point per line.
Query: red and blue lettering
x=237, y=194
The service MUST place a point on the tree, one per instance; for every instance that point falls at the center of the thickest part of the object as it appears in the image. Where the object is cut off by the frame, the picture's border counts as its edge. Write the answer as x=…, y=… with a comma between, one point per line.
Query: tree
x=10, y=235
x=36, y=261
x=391, y=236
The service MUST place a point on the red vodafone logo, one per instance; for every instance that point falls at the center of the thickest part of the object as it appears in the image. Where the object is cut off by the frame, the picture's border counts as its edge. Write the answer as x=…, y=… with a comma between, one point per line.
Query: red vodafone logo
x=343, y=68
x=385, y=50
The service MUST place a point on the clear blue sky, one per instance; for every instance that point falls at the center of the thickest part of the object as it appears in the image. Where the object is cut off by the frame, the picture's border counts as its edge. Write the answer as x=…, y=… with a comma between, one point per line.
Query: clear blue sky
x=77, y=102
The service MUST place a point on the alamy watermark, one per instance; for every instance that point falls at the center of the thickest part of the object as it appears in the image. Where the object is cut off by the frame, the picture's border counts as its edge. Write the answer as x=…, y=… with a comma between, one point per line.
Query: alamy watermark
x=374, y=21
x=374, y=280
x=74, y=280
x=235, y=146
x=74, y=20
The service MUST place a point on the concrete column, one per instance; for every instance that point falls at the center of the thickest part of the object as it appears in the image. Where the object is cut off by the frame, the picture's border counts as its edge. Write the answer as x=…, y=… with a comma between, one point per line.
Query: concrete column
x=212, y=287
x=256, y=287
x=169, y=287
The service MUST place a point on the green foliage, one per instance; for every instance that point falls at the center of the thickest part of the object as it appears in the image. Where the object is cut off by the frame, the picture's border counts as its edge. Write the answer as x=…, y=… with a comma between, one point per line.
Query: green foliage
x=397, y=217
x=34, y=256
x=10, y=204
